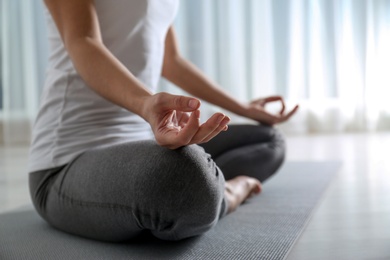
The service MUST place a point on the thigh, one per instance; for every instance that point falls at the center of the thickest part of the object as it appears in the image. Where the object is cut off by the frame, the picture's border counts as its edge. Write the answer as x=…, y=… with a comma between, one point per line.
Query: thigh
x=238, y=136
x=252, y=150
x=116, y=192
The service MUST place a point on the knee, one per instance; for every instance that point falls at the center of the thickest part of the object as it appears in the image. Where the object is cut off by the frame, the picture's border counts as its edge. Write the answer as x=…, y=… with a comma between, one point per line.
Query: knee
x=187, y=195
x=273, y=137
x=274, y=141
x=277, y=148
x=197, y=191
x=278, y=142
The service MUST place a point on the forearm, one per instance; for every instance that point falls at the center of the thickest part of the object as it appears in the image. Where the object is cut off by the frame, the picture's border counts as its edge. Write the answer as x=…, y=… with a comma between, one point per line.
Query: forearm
x=185, y=75
x=78, y=24
x=104, y=73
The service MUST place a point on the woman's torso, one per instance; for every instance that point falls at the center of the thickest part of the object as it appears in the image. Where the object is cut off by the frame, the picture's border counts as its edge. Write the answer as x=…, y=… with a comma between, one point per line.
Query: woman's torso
x=72, y=118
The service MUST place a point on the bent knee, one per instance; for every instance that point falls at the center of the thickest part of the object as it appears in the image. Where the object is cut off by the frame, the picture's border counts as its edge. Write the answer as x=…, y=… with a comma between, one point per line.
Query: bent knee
x=194, y=187
x=186, y=194
x=278, y=144
x=277, y=137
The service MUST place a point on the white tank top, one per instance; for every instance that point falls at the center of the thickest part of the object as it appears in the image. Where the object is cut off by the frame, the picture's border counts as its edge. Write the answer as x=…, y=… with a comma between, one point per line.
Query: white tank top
x=72, y=118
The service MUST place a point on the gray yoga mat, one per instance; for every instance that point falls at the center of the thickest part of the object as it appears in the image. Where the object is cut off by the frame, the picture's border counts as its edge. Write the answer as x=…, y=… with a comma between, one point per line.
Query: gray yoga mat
x=265, y=227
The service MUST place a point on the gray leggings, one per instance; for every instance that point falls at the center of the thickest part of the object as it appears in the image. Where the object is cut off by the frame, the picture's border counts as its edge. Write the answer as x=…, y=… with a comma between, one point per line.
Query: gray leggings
x=115, y=193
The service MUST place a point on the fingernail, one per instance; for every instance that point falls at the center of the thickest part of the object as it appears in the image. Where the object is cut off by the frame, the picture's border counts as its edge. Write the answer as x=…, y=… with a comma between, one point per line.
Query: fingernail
x=220, y=118
x=226, y=120
x=193, y=103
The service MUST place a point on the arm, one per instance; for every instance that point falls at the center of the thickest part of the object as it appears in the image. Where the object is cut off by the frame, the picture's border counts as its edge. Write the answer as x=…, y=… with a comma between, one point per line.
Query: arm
x=78, y=26
x=185, y=75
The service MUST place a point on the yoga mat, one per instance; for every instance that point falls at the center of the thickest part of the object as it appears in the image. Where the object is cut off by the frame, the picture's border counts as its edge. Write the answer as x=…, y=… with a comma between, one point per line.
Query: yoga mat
x=265, y=227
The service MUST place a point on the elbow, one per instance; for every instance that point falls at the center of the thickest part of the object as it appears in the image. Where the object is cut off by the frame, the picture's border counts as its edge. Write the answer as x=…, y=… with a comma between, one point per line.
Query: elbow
x=74, y=44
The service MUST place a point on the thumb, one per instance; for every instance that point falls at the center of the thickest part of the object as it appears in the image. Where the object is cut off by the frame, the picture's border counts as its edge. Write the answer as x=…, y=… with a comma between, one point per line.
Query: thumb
x=176, y=102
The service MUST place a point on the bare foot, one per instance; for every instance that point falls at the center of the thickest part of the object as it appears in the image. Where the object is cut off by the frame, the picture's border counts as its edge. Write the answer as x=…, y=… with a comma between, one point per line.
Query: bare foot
x=240, y=188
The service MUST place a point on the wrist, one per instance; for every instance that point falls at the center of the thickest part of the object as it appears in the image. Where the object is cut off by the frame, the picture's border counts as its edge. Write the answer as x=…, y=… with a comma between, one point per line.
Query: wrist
x=242, y=109
x=140, y=106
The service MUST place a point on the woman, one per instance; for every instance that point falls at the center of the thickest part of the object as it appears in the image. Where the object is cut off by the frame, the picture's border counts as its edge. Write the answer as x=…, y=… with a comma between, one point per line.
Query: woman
x=111, y=159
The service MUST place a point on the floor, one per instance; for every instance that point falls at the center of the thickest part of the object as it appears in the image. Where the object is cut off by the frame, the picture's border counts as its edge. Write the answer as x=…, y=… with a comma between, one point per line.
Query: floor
x=351, y=222
x=353, y=219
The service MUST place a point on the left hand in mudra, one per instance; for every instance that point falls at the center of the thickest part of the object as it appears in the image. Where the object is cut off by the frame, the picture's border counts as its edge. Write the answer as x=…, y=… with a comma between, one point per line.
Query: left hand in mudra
x=256, y=111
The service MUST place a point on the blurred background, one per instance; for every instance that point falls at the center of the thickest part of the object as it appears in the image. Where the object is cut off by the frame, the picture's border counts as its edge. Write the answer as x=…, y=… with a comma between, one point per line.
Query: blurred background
x=330, y=56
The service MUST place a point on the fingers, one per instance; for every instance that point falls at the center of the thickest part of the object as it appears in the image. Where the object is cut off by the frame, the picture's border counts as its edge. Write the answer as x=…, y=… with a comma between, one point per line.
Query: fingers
x=286, y=117
x=270, y=119
x=171, y=121
x=222, y=127
x=212, y=127
x=194, y=133
x=174, y=102
x=173, y=134
x=276, y=98
x=182, y=118
x=289, y=114
x=263, y=101
x=281, y=112
x=186, y=135
x=272, y=99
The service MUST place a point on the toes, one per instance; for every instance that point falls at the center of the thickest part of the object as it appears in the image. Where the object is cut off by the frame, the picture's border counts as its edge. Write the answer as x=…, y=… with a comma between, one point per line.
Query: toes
x=252, y=185
x=257, y=187
x=239, y=189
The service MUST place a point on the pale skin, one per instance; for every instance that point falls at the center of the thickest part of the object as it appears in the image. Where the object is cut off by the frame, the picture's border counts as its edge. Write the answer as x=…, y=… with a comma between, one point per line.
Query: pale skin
x=174, y=119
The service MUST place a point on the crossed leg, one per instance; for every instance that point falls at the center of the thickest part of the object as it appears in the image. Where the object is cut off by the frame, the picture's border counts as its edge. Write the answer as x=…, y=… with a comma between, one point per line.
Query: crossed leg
x=247, y=155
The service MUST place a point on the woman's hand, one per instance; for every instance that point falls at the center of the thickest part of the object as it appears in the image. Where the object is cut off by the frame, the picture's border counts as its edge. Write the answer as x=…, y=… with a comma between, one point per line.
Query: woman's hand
x=175, y=120
x=256, y=110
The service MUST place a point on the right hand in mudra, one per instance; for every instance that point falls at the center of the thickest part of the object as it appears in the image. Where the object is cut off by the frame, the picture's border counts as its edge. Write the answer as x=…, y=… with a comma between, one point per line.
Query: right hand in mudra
x=175, y=120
